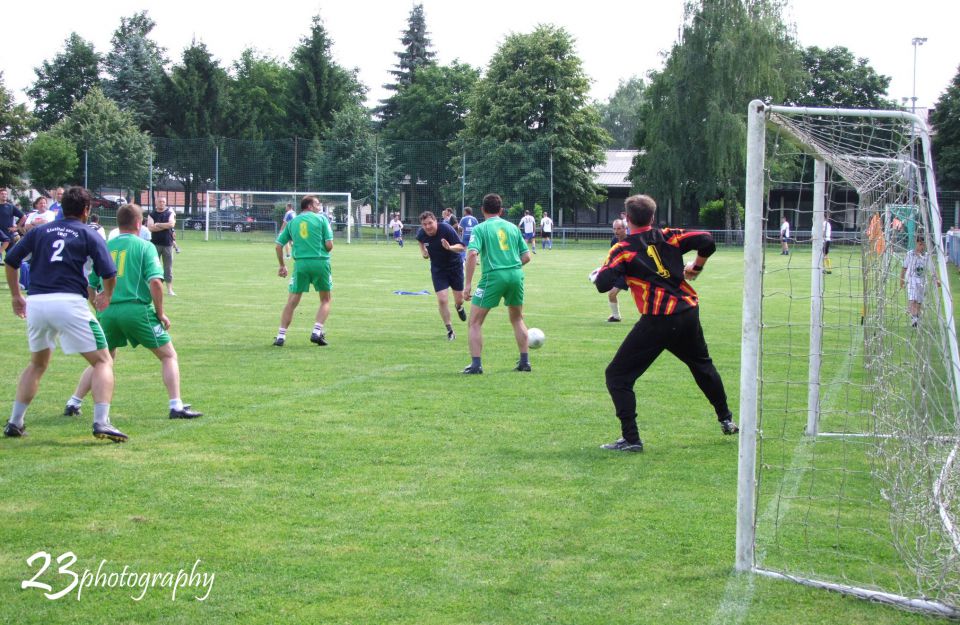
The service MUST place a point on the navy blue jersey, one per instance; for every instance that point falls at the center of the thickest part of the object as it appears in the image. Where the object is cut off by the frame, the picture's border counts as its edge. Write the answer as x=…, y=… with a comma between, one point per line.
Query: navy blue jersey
x=467, y=224
x=9, y=216
x=60, y=251
x=440, y=257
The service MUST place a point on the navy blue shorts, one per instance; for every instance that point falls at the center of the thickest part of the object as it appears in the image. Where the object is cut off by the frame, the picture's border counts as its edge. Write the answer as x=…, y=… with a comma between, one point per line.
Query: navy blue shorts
x=450, y=277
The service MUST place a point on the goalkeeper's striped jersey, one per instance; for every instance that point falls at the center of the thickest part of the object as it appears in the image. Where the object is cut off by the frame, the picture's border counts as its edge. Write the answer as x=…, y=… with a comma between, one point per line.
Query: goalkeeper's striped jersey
x=137, y=264
x=309, y=233
x=651, y=260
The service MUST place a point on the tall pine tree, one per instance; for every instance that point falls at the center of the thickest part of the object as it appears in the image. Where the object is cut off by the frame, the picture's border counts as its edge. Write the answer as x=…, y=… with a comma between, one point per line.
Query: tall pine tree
x=134, y=70
x=319, y=87
x=416, y=53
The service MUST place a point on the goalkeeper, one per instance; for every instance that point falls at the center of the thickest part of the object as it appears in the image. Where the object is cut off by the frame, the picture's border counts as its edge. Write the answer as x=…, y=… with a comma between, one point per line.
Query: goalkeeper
x=651, y=260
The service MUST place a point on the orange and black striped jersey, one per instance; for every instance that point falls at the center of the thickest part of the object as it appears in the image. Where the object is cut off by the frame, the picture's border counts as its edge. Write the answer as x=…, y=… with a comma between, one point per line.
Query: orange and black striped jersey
x=651, y=260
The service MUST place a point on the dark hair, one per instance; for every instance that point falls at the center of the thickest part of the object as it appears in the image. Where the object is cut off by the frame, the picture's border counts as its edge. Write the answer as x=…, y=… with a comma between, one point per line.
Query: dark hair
x=467, y=210
x=128, y=215
x=640, y=209
x=75, y=201
x=94, y=218
x=37, y=201
x=427, y=215
x=306, y=201
x=492, y=204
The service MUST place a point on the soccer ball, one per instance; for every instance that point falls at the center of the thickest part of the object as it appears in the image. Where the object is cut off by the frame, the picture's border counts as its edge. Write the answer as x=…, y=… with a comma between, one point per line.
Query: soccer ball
x=535, y=338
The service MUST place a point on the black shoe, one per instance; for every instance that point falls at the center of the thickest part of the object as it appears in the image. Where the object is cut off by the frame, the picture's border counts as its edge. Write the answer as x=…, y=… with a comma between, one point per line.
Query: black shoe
x=727, y=426
x=108, y=431
x=471, y=370
x=71, y=411
x=278, y=342
x=462, y=314
x=319, y=339
x=621, y=444
x=612, y=319
x=523, y=367
x=451, y=335
x=186, y=413
x=14, y=431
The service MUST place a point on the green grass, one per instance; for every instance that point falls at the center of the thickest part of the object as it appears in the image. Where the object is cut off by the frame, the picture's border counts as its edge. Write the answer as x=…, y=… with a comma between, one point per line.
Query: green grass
x=369, y=482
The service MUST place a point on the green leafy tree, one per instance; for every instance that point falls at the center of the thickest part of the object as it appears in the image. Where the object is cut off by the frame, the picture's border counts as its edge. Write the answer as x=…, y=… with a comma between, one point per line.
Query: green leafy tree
x=134, y=70
x=51, y=160
x=117, y=150
x=435, y=107
x=535, y=93
x=348, y=160
x=833, y=77
x=195, y=109
x=693, y=131
x=64, y=80
x=620, y=115
x=15, y=123
x=946, y=140
x=259, y=95
x=431, y=112
x=416, y=54
x=319, y=87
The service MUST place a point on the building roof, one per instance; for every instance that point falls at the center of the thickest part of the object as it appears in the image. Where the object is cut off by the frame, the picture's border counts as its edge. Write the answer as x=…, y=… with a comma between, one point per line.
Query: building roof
x=614, y=171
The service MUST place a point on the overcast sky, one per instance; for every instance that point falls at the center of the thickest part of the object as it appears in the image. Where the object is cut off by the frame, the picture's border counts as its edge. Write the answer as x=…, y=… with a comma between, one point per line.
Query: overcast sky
x=615, y=38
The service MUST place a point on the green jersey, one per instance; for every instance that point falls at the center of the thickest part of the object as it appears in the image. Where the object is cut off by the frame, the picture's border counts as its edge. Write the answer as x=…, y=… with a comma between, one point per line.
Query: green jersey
x=499, y=244
x=137, y=264
x=309, y=233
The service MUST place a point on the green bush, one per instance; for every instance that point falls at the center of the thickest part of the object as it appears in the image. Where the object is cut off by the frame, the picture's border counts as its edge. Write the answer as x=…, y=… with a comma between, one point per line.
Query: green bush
x=711, y=214
x=515, y=212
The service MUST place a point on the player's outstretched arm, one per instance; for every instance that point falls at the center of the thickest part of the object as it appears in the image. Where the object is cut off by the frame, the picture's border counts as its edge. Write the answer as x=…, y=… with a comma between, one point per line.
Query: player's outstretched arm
x=471, y=267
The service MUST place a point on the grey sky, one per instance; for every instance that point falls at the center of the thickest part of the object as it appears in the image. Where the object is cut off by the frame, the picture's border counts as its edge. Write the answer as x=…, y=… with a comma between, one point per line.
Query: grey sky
x=615, y=39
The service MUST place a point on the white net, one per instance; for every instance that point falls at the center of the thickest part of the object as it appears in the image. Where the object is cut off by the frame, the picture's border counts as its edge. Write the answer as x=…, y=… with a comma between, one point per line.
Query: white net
x=259, y=215
x=858, y=420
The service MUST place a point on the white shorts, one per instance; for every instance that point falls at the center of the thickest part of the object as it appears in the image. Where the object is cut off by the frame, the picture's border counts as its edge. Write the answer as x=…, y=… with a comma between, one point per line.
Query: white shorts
x=915, y=290
x=66, y=316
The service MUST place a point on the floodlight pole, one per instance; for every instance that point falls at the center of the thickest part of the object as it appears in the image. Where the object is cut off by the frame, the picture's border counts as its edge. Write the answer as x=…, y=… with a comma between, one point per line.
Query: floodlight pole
x=917, y=42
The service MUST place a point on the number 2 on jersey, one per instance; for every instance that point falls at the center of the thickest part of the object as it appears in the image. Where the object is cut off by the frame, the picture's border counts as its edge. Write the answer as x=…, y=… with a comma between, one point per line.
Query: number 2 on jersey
x=57, y=256
x=502, y=236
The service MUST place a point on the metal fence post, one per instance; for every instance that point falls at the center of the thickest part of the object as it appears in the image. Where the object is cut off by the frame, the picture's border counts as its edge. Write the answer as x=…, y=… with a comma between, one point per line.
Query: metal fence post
x=86, y=179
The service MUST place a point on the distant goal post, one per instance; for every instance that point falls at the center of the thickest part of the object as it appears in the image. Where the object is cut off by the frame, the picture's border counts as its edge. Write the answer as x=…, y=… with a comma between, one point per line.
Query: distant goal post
x=245, y=212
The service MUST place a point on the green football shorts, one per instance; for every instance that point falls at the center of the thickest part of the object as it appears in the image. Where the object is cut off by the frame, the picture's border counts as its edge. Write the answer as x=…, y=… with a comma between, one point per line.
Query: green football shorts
x=133, y=323
x=315, y=271
x=505, y=284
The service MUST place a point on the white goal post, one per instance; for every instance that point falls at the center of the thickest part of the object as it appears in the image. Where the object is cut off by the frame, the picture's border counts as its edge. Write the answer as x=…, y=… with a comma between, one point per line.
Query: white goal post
x=849, y=476
x=245, y=211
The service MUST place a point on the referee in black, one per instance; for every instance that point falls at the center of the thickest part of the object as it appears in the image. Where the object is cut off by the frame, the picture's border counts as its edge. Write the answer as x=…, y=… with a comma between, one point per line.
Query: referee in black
x=651, y=260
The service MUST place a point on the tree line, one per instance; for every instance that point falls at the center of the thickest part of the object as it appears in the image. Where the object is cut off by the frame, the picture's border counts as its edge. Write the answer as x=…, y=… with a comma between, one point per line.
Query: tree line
x=687, y=118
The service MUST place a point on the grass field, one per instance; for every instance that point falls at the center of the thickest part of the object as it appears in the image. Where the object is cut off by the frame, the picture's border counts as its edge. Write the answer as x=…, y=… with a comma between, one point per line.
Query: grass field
x=369, y=482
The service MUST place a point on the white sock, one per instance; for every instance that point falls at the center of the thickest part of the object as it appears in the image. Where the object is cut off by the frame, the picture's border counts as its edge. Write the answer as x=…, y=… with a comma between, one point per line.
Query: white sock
x=176, y=404
x=16, y=416
x=615, y=309
x=75, y=401
x=101, y=414
x=281, y=333
x=318, y=328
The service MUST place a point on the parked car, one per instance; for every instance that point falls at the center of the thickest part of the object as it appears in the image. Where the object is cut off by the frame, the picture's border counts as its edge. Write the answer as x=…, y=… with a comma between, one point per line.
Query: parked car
x=228, y=219
x=100, y=202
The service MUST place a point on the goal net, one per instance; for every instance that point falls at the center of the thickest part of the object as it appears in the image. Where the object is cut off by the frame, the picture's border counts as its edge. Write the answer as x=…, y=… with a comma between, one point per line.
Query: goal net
x=849, y=474
x=258, y=215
